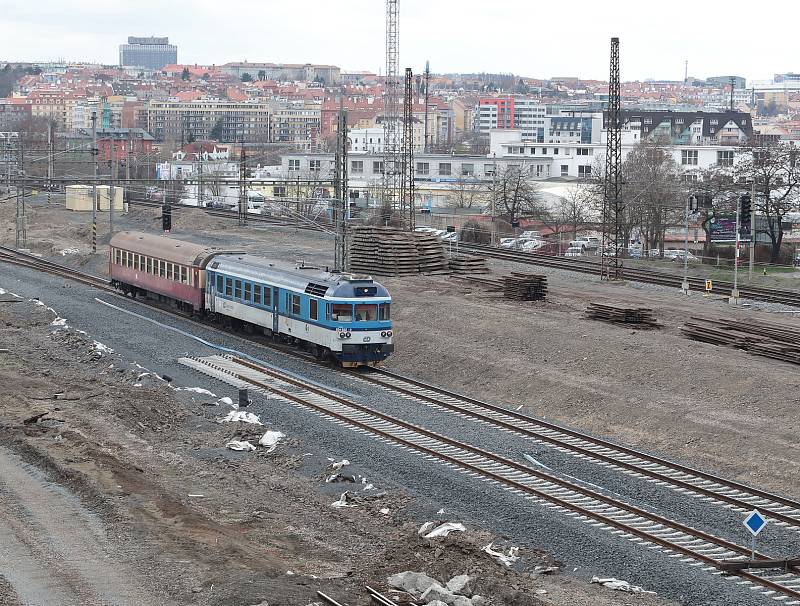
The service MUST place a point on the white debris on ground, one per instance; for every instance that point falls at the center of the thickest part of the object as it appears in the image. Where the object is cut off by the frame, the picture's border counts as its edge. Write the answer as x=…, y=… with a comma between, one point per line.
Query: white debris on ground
x=343, y=501
x=69, y=251
x=240, y=416
x=59, y=322
x=427, y=530
x=240, y=445
x=455, y=592
x=335, y=467
x=619, y=585
x=507, y=558
x=226, y=401
x=199, y=390
x=271, y=439
x=101, y=348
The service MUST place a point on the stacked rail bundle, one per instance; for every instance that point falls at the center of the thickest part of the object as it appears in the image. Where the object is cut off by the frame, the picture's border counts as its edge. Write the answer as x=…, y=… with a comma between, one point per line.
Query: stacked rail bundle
x=430, y=251
x=384, y=251
x=775, y=341
x=635, y=317
x=524, y=287
x=468, y=264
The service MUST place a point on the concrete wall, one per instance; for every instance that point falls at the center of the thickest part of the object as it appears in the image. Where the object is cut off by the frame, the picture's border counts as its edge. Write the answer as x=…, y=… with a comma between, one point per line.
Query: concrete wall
x=79, y=197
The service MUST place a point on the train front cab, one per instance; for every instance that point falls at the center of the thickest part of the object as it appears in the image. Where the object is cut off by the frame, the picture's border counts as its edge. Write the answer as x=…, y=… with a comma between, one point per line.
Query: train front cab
x=363, y=331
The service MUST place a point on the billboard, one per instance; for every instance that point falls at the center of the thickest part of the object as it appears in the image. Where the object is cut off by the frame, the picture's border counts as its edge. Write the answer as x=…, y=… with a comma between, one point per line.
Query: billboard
x=722, y=228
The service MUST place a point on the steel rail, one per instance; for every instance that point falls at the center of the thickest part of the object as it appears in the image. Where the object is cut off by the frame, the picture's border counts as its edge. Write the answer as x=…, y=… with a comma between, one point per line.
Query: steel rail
x=513, y=480
x=514, y=422
x=756, y=293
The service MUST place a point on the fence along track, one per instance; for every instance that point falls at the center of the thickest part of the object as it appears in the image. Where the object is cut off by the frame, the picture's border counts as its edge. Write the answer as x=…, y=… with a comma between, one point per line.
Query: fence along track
x=584, y=504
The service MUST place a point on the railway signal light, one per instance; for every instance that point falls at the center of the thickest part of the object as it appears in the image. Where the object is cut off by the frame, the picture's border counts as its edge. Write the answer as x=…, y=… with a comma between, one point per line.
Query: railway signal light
x=166, y=218
x=745, y=208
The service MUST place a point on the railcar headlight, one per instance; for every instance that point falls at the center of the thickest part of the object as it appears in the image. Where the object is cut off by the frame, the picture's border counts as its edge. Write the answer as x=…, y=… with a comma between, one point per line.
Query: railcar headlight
x=341, y=335
x=388, y=333
x=347, y=335
x=383, y=334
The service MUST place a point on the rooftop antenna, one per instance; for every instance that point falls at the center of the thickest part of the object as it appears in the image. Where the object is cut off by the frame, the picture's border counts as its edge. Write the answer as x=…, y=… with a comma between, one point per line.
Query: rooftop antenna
x=686, y=72
x=733, y=82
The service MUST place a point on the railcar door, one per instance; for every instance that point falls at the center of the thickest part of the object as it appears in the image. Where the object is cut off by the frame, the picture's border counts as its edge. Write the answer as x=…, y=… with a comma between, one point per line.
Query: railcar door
x=211, y=291
x=275, y=310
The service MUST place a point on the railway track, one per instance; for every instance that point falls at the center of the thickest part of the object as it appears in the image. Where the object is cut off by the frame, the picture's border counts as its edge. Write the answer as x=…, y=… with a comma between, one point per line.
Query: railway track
x=232, y=215
x=693, y=546
x=755, y=293
x=780, y=510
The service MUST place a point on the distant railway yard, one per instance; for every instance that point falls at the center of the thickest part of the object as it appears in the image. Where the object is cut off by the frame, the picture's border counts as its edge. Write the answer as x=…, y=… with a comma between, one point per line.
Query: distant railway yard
x=552, y=458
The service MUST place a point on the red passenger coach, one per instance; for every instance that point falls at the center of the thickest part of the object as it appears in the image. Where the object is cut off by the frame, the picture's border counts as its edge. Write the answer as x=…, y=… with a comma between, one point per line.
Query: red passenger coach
x=142, y=263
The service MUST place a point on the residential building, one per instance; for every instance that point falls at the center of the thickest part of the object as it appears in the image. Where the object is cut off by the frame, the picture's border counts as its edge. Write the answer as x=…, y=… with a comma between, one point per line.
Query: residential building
x=514, y=111
x=328, y=75
x=297, y=123
x=370, y=140
x=151, y=52
x=229, y=122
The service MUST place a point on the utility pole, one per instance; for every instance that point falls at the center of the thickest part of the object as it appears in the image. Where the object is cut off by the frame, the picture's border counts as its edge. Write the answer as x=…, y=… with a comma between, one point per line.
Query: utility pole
x=243, y=186
x=200, y=178
x=112, y=190
x=128, y=157
x=341, y=203
x=50, y=160
x=427, y=89
x=753, y=231
x=690, y=201
x=734, y=298
x=95, y=151
x=22, y=232
x=407, y=148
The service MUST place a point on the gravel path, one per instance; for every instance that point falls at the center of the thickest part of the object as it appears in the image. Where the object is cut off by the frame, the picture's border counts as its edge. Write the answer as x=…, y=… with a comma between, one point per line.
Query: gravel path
x=583, y=547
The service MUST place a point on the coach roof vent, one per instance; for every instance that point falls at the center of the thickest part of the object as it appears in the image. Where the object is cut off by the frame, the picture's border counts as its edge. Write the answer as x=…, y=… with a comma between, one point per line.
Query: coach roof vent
x=356, y=278
x=318, y=290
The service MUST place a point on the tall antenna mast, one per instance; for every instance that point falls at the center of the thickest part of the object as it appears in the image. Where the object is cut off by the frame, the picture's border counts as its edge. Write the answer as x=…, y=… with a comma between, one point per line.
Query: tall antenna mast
x=611, y=254
x=407, y=180
x=392, y=154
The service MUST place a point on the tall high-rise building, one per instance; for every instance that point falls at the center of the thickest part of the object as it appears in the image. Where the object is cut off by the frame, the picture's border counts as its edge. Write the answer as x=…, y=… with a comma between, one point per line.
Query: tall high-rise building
x=150, y=52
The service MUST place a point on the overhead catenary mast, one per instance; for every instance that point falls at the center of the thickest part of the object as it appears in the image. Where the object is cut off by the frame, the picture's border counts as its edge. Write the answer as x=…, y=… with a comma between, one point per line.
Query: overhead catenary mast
x=427, y=82
x=611, y=253
x=392, y=153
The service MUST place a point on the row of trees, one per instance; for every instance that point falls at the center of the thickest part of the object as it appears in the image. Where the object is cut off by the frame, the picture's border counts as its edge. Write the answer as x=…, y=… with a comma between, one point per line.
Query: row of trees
x=654, y=193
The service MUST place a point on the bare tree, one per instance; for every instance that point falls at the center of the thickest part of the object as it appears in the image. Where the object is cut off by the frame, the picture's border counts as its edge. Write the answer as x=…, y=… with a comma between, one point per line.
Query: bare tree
x=515, y=195
x=718, y=183
x=468, y=194
x=570, y=212
x=774, y=168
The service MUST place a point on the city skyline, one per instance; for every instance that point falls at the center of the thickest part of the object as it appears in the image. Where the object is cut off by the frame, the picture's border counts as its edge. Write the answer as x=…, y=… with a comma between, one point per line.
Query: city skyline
x=527, y=40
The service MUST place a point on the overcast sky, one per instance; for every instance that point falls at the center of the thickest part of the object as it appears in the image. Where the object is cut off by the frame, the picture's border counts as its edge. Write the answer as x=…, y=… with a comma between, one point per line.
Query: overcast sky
x=527, y=37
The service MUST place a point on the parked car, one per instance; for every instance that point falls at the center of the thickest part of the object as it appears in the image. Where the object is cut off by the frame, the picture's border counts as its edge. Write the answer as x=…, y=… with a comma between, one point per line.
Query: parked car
x=508, y=242
x=451, y=236
x=533, y=245
x=531, y=235
x=425, y=229
x=586, y=242
x=574, y=251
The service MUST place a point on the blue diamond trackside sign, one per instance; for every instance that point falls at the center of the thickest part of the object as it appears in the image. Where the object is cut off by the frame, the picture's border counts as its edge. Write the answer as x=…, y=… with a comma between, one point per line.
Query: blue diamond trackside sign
x=755, y=522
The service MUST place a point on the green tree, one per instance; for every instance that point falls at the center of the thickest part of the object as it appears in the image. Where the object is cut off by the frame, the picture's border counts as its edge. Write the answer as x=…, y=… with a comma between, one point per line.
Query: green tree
x=246, y=77
x=206, y=76
x=216, y=131
x=262, y=75
x=185, y=73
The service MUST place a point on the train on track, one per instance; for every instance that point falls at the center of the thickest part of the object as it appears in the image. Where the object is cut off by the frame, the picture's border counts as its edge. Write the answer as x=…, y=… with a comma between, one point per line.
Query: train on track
x=337, y=316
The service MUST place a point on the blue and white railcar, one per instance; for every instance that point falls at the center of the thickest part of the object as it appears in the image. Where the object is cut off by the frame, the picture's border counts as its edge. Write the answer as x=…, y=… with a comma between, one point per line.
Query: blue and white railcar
x=343, y=316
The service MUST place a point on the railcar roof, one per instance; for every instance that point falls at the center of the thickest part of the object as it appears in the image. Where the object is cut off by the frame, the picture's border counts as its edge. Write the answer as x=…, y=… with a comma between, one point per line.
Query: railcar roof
x=166, y=248
x=295, y=278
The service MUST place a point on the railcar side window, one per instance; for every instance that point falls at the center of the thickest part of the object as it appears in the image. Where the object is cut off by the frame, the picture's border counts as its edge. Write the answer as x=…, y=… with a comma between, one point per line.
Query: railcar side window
x=247, y=287
x=130, y=259
x=184, y=275
x=117, y=256
x=312, y=309
x=384, y=311
x=366, y=313
x=295, y=305
x=220, y=284
x=267, y=296
x=162, y=269
x=342, y=312
x=170, y=267
x=149, y=265
x=229, y=287
x=257, y=294
x=237, y=289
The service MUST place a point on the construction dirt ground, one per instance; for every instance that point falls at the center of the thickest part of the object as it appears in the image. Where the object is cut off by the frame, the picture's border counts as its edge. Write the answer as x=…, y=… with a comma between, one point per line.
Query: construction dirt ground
x=95, y=495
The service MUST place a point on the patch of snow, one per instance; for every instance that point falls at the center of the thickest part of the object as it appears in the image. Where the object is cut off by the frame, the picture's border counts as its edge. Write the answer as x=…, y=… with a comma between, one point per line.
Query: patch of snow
x=507, y=558
x=240, y=416
x=239, y=445
x=271, y=439
x=59, y=322
x=100, y=347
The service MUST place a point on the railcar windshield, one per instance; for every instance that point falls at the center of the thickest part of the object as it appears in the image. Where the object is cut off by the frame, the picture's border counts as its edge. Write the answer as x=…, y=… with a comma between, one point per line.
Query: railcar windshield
x=342, y=312
x=384, y=312
x=366, y=312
